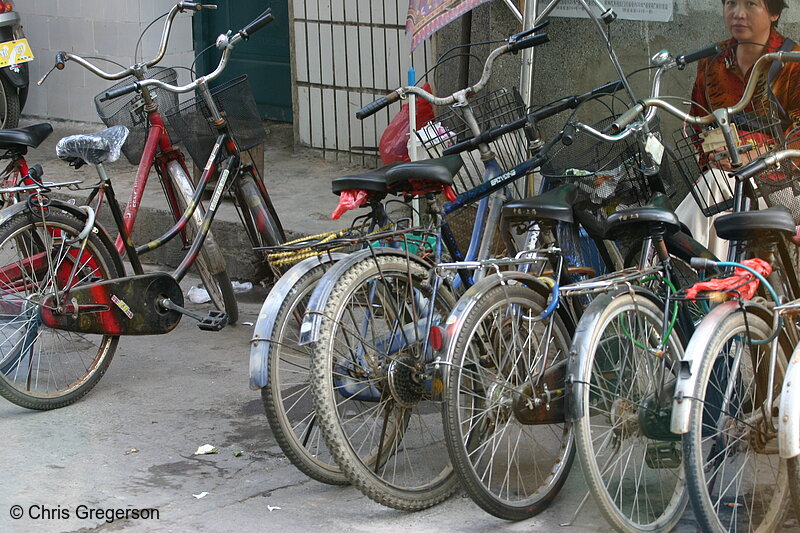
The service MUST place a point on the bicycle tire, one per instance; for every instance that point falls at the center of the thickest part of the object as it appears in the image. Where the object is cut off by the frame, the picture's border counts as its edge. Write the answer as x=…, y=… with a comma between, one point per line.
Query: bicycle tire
x=260, y=220
x=10, y=119
x=765, y=507
x=616, y=355
x=386, y=442
x=510, y=467
x=43, y=368
x=215, y=279
x=287, y=395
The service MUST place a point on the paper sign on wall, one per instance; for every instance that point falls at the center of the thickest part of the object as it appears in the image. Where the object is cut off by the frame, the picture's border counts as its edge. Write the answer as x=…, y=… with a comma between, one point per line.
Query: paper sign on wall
x=650, y=10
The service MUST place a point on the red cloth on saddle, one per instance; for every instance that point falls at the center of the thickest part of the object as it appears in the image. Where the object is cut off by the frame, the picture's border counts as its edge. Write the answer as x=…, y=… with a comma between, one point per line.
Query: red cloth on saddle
x=737, y=284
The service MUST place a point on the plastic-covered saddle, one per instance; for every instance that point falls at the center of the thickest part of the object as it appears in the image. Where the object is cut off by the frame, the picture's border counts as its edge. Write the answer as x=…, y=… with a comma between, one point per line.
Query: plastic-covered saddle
x=95, y=148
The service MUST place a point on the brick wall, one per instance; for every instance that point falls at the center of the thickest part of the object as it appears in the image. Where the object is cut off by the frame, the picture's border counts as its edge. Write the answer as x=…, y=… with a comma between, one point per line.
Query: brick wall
x=102, y=28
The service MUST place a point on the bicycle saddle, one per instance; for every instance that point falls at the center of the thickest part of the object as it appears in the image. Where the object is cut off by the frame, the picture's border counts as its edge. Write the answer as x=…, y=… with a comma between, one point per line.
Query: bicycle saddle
x=430, y=175
x=754, y=224
x=373, y=181
x=28, y=136
x=555, y=204
x=639, y=222
x=95, y=148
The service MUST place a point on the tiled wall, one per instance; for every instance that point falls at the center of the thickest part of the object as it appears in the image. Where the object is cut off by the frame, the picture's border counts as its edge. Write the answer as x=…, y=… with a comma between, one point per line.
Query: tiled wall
x=102, y=28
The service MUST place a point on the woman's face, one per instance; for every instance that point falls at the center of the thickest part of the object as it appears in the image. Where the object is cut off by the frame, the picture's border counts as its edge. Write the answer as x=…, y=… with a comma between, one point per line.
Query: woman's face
x=748, y=20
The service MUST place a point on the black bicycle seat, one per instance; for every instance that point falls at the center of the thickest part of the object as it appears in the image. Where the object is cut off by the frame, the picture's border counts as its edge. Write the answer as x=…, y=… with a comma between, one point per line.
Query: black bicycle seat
x=31, y=136
x=640, y=222
x=430, y=175
x=556, y=204
x=751, y=225
x=95, y=148
x=373, y=181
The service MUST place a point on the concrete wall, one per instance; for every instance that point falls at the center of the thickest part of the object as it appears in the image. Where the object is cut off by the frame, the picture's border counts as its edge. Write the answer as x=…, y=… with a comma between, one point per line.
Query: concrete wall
x=103, y=28
x=575, y=60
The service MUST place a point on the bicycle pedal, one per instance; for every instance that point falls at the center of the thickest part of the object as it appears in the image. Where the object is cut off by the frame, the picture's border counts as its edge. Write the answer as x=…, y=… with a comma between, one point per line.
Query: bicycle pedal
x=214, y=321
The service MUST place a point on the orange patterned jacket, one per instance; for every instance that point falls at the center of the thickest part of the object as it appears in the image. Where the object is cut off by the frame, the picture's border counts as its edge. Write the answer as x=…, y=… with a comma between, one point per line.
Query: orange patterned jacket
x=720, y=82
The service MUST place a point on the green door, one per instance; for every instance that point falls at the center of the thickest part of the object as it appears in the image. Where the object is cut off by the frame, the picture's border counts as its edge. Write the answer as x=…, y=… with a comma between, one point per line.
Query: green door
x=264, y=58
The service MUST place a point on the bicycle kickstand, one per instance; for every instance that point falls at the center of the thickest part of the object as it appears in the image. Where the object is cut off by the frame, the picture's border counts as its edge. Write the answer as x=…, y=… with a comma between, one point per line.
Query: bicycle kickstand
x=215, y=320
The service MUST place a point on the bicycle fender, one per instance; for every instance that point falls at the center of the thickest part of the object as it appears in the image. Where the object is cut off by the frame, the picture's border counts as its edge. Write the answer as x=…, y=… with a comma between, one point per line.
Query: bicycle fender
x=577, y=363
x=692, y=356
x=789, y=413
x=309, y=330
x=20, y=207
x=260, y=344
x=465, y=304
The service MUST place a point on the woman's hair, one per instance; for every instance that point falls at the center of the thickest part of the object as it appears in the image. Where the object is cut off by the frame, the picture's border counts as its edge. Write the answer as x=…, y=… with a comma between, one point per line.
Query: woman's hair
x=775, y=7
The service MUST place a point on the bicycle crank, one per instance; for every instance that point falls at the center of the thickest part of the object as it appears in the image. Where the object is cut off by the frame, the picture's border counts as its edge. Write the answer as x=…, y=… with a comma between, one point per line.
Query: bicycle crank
x=122, y=306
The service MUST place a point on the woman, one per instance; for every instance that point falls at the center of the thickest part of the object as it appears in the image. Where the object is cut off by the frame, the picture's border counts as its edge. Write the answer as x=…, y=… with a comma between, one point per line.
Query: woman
x=720, y=83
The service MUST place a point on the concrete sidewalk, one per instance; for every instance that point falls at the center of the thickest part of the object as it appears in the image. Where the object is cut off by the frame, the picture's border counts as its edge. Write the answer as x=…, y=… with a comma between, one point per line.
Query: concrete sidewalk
x=298, y=181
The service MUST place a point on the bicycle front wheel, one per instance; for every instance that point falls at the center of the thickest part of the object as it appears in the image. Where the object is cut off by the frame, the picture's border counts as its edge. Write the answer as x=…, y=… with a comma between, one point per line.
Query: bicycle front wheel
x=43, y=368
x=210, y=262
x=736, y=479
x=287, y=395
x=504, y=416
x=372, y=385
x=631, y=461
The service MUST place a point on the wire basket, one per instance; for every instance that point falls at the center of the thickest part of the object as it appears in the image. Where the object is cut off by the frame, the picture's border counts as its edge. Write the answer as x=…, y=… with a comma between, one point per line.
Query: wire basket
x=191, y=122
x=131, y=114
x=702, y=156
x=495, y=108
x=608, y=174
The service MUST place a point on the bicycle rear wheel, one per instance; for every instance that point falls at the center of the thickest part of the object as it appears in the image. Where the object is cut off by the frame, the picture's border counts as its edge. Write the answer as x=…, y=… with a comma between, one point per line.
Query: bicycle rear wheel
x=287, y=395
x=372, y=386
x=631, y=462
x=736, y=479
x=510, y=452
x=43, y=368
x=210, y=262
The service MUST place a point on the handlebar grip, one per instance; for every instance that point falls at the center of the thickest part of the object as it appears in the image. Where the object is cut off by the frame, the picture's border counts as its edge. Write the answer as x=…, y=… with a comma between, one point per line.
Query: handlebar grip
x=627, y=117
x=262, y=20
x=60, y=60
x=756, y=167
x=528, y=42
x=568, y=134
x=535, y=29
x=697, y=55
x=463, y=146
x=120, y=91
x=372, y=108
x=701, y=263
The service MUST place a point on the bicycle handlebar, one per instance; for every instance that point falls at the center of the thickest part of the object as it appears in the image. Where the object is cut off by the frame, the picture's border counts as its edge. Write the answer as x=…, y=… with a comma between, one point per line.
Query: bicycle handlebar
x=542, y=113
x=514, y=45
x=225, y=42
x=760, y=69
x=763, y=163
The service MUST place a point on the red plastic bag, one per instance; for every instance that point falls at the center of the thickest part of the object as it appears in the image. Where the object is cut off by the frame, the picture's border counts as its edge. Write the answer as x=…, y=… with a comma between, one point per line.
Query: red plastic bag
x=349, y=199
x=742, y=282
x=394, y=141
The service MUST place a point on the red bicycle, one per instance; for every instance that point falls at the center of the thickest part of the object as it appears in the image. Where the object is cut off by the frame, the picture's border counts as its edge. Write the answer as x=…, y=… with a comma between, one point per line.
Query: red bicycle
x=64, y=295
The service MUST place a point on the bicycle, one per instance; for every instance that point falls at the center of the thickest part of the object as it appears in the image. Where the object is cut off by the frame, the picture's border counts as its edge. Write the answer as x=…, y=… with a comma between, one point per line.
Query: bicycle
x=589, y=372
x=727, y=405
x=155, y=119
x=64, y=279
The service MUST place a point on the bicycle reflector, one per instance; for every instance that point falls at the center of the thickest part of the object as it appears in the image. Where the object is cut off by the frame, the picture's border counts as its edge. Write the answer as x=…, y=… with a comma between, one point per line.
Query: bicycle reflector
x=5, y=7
x=436, y=338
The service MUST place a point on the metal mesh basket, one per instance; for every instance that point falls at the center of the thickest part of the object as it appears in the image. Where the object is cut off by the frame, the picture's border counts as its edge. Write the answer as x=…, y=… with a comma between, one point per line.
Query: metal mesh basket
x=608, y=174
x=781, y=187
x=130, y=113
x=702, y=155
x=492, y=109
x=191, y=123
